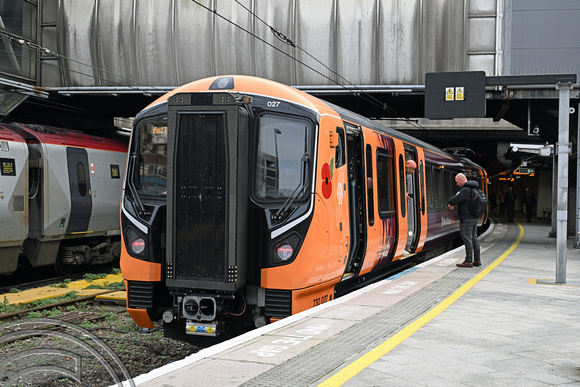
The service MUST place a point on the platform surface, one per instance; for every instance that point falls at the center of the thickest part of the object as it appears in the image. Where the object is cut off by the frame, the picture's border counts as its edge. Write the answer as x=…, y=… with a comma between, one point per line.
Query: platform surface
x=506, y=323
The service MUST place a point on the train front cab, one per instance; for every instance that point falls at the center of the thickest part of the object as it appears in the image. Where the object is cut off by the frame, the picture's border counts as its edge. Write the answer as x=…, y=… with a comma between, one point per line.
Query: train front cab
x=228, y=238
x=217, y=238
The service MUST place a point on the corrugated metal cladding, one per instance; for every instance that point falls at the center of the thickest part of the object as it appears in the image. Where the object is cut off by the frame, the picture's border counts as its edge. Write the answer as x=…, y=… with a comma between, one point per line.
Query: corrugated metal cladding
x=542, y=37
x=171, y=42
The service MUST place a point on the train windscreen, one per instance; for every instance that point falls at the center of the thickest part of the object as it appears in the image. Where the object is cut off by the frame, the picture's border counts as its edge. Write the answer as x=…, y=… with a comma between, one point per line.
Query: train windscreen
x=152, y=180
x=284, y=145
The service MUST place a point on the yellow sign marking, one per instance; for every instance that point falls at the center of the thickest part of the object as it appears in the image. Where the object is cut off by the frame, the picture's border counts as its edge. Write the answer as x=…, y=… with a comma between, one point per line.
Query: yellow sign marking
x=449, y=96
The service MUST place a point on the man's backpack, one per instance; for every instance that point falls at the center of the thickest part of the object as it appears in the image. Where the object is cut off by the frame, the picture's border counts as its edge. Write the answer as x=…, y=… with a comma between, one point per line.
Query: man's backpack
x=478, y=204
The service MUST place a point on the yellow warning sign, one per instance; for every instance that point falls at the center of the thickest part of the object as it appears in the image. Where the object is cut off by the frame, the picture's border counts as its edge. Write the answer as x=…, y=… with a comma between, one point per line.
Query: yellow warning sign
x=449, y=96
x=459, y=93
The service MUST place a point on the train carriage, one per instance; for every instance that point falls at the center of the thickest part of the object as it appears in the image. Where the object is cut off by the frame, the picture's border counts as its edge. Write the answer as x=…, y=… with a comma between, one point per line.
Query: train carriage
x=60, y=191
x=246, y=201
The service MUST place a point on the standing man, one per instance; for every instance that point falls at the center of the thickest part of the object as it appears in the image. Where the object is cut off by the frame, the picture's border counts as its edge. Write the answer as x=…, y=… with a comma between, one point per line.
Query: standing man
x=510, y=203
x=529, y=201
x=501, y=203
x=468, y=221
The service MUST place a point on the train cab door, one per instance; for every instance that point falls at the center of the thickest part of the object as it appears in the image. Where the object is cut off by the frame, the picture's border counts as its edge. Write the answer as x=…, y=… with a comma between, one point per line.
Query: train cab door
x=413, y=196
x=80, y=190
x=356, y=197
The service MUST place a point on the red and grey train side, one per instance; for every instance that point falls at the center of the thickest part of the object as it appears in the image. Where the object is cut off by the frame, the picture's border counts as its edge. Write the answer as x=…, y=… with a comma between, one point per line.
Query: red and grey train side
x=246, y=201
x=59, y=197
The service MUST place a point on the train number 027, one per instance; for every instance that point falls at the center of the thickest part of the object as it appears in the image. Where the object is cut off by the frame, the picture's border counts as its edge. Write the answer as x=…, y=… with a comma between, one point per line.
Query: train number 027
x=320, y=300
x=273, y=104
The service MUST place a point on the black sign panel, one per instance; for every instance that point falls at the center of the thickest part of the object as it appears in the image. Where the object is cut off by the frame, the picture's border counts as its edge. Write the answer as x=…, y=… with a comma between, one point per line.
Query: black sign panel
x=455, y=95
x=8, y=167
x=115, y=172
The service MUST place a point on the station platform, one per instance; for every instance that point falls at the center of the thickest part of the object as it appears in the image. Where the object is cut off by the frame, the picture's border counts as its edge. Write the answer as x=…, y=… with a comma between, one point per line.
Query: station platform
x=506, y=323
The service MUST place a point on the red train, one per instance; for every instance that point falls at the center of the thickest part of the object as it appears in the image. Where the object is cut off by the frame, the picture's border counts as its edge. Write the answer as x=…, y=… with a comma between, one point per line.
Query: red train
x=246, y=201
x=59, y=198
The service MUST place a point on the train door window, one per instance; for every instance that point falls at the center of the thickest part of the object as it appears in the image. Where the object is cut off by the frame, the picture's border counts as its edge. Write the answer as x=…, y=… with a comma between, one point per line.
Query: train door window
x=370, y=198
x=81, y=179
x=429, y=182
x=422, y=186
x=385, y=183
x=339, y=157
x=437, y=188
x=402, y=182
x=446, y=186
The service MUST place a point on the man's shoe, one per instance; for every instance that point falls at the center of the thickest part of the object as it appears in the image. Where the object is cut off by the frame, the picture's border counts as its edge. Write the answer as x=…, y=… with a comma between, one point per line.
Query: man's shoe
x=465, y=264
x=476, y=263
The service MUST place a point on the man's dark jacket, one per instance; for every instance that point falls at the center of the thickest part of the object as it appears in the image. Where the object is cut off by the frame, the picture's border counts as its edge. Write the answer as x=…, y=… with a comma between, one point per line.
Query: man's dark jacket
x=462, y=199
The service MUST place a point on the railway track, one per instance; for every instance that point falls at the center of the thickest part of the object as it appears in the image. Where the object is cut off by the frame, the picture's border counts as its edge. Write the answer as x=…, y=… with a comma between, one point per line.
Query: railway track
x=59, y=305
x=21, y=281
x=32, y=335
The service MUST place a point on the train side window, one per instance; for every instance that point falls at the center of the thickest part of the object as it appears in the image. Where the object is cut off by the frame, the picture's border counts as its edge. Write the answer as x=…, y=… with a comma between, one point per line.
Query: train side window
x=81, y=179
x=402, y=186
x=370, y=198
x=385, y=183
x=339, y=157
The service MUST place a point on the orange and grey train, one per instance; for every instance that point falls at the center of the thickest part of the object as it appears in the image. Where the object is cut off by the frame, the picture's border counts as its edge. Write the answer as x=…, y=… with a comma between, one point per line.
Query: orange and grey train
x=246, y=201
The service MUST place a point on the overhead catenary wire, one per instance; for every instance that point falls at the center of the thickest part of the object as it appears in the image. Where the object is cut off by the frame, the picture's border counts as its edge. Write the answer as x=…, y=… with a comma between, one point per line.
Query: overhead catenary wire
x=131, y=83
x=283, y=38
x=360, y=92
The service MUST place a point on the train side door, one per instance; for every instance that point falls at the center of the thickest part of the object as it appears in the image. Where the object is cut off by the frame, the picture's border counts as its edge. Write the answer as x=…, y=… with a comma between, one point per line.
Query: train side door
x=413, y=196
x=80, y=190
x=356, y=197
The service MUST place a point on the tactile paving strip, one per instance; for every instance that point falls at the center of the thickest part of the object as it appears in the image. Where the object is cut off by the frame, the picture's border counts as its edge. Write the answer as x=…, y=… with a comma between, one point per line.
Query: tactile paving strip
x=317, y=363
x=553, y=282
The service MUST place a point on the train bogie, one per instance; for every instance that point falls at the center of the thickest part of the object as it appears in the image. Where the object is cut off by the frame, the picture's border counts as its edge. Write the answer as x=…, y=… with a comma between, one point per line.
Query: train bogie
x=72, y=200
x=274, y=202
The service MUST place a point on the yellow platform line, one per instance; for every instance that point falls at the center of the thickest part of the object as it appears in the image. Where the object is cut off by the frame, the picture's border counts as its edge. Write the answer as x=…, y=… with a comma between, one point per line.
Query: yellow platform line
x=376, y=353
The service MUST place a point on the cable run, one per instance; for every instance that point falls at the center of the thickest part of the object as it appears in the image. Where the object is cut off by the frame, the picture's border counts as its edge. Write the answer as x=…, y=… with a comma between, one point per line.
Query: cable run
x=46, y=51
x=279, y=35
x=289, y=42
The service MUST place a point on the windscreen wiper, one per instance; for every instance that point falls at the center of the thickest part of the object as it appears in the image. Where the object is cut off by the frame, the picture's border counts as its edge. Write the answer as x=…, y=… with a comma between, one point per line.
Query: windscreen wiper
x=134, y=195
x=280, y=214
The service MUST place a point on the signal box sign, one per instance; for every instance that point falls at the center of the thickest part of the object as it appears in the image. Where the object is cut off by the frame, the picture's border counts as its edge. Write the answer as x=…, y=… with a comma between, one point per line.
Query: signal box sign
x=455, y=95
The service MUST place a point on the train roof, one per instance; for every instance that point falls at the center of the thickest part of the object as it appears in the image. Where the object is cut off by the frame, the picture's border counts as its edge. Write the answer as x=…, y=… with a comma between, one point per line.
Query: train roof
x=10, y=135
x=65, y=137
x=246, y=84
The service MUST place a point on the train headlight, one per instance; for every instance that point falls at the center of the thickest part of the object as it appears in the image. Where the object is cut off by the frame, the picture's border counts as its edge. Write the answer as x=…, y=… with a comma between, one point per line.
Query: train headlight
x=135, y=243
x=284, y=251
x=138, y=245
